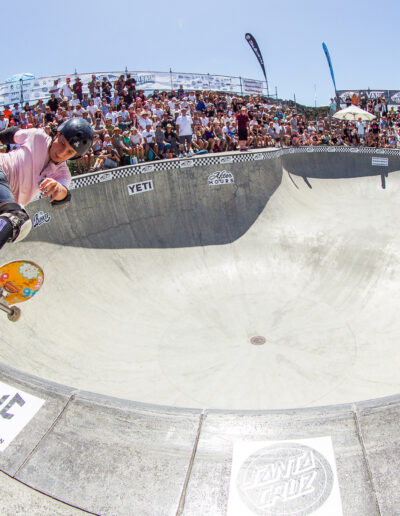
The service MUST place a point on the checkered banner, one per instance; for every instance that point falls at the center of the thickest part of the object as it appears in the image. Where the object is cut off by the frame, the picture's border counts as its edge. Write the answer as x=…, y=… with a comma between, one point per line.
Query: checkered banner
x=265, y=154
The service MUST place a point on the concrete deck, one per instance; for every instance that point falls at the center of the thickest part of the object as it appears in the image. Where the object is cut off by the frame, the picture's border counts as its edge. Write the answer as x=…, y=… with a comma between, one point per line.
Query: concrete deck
x=140, y=340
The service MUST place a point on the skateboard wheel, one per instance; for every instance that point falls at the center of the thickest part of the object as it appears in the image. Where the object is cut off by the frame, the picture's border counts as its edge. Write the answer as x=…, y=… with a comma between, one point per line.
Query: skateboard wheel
x=15, y=315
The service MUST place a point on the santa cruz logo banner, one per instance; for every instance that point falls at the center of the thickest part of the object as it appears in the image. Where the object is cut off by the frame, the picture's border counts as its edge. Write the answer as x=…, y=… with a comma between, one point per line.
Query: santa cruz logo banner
x=287, y=477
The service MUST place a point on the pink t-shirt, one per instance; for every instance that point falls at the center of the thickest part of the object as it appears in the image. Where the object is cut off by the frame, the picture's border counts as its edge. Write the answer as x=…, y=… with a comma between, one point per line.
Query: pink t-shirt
x=26, y=166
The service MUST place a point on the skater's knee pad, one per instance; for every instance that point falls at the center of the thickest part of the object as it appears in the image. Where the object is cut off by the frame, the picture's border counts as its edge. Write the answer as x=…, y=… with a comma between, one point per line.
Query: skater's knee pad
x=6, y=231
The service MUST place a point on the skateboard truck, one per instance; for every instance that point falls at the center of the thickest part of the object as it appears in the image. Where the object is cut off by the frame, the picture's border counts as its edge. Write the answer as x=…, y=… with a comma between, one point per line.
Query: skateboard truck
x=13, y=312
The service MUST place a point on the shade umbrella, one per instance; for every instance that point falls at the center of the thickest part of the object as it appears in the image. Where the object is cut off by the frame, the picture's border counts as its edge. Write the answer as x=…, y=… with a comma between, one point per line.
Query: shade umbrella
x=353, y=113
x=21, y=77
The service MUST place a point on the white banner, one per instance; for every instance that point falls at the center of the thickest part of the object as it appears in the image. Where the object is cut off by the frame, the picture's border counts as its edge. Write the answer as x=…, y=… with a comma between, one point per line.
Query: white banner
x=34, y=89
x=17, y=408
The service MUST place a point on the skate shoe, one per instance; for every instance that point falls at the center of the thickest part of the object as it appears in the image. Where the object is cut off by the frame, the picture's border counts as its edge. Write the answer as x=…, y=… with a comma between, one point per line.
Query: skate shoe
x=20, y=222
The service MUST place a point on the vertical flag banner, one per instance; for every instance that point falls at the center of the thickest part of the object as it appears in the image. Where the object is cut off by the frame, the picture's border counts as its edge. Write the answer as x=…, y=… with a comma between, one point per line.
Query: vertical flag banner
x=256, y=49
x=328, y=57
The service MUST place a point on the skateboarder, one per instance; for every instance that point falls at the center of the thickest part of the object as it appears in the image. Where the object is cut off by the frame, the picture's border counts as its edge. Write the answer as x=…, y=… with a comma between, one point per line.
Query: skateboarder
x=37, y=166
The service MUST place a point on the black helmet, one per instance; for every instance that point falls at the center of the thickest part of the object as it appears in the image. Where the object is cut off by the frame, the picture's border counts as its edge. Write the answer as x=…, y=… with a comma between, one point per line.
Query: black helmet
x=78, y=134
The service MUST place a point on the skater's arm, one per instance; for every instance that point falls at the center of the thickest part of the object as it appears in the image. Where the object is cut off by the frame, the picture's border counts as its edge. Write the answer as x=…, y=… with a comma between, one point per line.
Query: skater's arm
x=54, y=190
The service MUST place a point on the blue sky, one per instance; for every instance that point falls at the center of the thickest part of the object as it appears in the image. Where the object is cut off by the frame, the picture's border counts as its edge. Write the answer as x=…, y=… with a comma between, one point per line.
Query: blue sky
x=49, y=38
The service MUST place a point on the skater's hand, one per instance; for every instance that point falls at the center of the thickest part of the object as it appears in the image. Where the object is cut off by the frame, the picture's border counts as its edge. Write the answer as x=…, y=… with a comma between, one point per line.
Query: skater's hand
x=52, y=189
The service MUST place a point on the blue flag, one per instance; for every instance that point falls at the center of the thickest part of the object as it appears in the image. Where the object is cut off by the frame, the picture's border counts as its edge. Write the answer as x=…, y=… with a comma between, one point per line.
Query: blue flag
x=328, y=57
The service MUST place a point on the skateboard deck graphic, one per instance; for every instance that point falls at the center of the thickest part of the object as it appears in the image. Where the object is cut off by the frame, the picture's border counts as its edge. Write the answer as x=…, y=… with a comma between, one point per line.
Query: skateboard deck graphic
x=19, y=282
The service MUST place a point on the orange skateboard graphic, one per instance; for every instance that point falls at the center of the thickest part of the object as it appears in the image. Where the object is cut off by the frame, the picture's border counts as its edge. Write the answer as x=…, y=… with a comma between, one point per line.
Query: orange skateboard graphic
x=19, y=282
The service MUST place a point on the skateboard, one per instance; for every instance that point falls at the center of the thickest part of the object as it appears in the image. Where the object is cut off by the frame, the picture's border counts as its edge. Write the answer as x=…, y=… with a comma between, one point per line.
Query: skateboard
x=19, y=281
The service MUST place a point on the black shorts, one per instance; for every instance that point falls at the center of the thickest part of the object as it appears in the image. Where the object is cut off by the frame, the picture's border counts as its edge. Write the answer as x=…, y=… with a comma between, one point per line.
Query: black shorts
x=242, y=134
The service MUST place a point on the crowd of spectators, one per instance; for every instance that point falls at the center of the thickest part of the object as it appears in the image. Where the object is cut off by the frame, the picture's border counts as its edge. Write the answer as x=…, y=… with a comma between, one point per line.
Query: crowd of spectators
x=131, y=127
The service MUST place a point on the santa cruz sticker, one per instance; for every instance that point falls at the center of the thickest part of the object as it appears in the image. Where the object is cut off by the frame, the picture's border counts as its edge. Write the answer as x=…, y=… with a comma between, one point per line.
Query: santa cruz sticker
x=41, y=218
x=221, y=178
x=144, y=186
x=285, y=478
x=17, y=408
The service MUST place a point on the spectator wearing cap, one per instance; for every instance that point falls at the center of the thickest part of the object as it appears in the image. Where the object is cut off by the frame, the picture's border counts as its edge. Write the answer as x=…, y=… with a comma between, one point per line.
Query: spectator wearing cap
x=39, y=118
x=151, y=148
x=92, y=84
x=122, y=124
x=96, y=99
x=180, y=92
x=124, y=113
x=108, y=157
x=106, y=88
x=7, y=111
x=209, y=137
x=201, y=106
x=40, y=106
x=48, y=116
x=55, y=89
x=78, y=111
x=66, y=89
x=75, y=101
x=167, y=120
x=138, y=144
x=77, y=88
x=22, y=120
x=243, y=123
x=171, y=138
x=85, y=101
x=103, y=106
x=3, y=121
x=98, y=121
x=119, y=84
x=198, y=141
x=16, y=111
x=111, y=115
x=158, y=111
x=184, y=128
x=130, y=84
x=162, y=145
x=92, y=109
x=69, y=111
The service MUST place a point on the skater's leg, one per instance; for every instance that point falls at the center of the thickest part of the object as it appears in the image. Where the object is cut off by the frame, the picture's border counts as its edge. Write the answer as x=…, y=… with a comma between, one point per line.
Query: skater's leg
x=5, y=190
x=15, y=223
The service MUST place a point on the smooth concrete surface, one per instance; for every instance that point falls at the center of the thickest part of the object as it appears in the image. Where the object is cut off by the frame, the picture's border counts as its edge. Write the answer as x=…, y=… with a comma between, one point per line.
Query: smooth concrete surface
x=134, y=316
x=154, y=297
x=17, y=499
